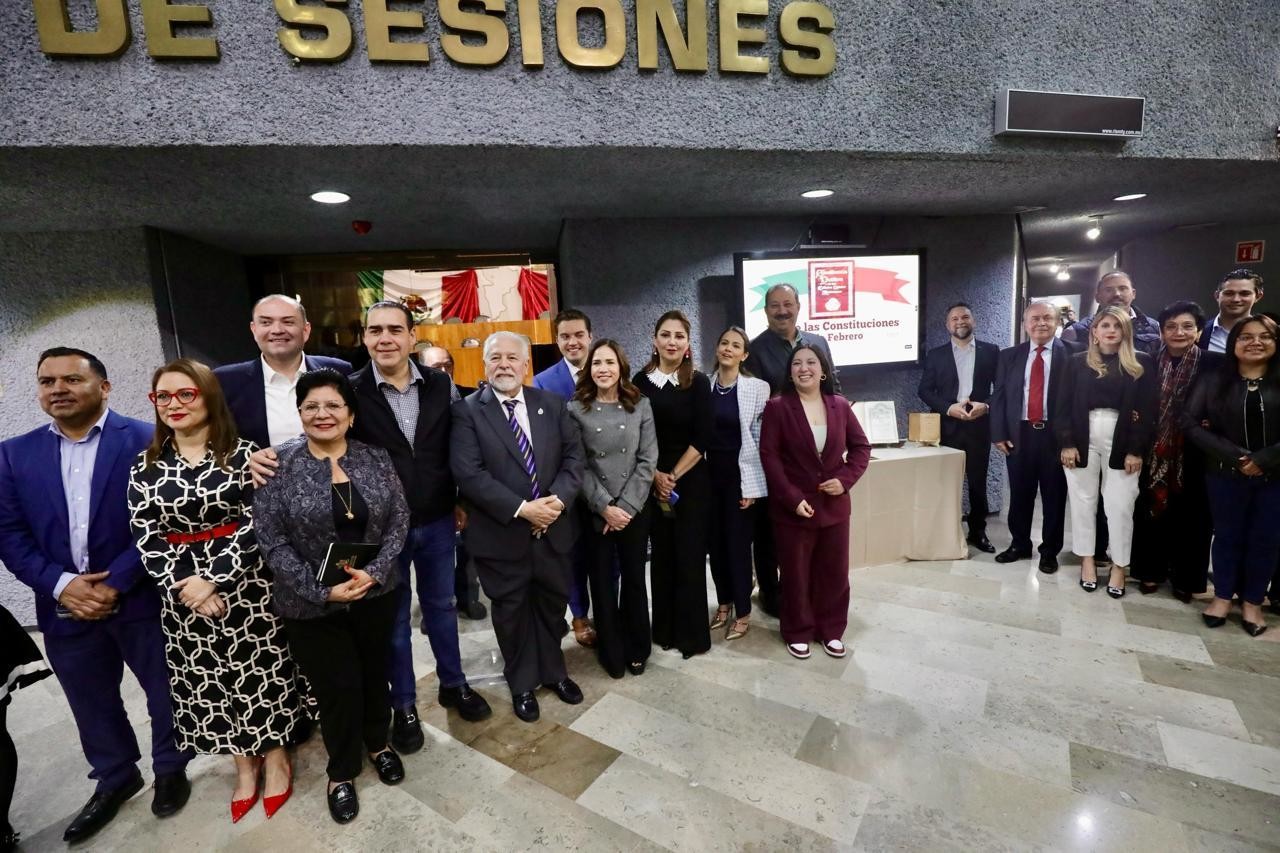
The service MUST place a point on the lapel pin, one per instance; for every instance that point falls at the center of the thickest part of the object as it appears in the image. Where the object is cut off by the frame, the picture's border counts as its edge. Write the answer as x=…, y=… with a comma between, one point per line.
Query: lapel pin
x=539, y=411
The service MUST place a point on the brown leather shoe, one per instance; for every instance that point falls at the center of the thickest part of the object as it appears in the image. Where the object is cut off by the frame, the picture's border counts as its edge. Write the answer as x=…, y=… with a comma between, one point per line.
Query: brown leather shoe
x=584, y=633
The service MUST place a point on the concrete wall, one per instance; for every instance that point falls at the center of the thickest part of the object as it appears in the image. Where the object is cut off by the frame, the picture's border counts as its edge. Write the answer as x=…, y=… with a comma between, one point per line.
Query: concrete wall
x=625, y=273
x=1189, y=264
x=910, y=76
x=90, y=290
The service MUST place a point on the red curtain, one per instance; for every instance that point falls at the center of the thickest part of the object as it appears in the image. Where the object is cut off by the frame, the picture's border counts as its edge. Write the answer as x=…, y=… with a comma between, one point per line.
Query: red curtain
x=535, y=293
x=462, y=296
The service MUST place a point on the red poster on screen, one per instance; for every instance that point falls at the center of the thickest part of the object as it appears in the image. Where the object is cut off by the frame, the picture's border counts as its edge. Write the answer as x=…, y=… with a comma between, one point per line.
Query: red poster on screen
x=830, y=289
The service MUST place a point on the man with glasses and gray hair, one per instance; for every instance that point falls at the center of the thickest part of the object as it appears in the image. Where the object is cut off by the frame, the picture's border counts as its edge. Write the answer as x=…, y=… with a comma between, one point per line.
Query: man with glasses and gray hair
x=517, y=459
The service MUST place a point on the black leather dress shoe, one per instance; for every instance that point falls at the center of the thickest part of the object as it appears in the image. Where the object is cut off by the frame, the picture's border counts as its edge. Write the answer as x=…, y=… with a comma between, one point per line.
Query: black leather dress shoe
x=471, y=705
x=343, y=804
x=390, y=769
x=569, y=692
x=1048, y=563
x=171, y=794
x=473, y=610
x=1253, y=629
x=406, y=731
x=526, y=706
x=982, y=543
x=636, y=667
x=1012, y=555
x=1182, y=595
x=100, y=810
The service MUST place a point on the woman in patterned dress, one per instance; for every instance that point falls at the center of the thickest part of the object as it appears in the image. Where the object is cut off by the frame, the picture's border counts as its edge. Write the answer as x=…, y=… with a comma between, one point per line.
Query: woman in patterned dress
x=20, y=665
x=191, y=499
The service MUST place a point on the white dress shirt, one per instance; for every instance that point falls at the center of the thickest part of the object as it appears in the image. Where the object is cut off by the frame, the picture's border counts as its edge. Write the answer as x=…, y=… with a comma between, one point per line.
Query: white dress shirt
x=522, y=418
x=77, y=460
x=965, y=357
x=574, y=372
x=283, y=420
x=1026, y=377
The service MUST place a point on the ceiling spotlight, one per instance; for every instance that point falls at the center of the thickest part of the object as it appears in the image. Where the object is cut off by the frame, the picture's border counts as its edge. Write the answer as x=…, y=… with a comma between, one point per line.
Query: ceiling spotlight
x=1063, y=275
x=1130, y=197
x=330, y=197
x=1095, y=228
x=817, y=193
x=1054, y=267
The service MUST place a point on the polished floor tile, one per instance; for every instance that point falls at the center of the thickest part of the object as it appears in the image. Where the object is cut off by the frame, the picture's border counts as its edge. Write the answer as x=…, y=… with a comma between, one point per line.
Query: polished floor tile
x=982, y=707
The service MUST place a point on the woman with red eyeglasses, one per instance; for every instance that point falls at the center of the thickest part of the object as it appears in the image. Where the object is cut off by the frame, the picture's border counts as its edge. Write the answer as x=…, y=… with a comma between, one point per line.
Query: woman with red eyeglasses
x=191, y=499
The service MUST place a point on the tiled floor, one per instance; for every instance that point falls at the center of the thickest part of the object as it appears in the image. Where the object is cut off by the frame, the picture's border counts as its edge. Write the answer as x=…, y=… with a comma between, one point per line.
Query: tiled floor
x=983, y=707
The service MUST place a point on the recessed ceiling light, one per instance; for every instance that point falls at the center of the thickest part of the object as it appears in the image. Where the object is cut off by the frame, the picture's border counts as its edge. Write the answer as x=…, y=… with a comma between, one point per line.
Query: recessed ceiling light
x=817, y=193
x=1054, y=268
x=330, y=197
x=1063, y=275
x=1130, y=197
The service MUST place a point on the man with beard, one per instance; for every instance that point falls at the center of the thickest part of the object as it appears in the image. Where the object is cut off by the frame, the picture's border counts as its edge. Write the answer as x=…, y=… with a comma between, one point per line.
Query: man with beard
x=517, y=459
x=1116, y=288
x=956, y=384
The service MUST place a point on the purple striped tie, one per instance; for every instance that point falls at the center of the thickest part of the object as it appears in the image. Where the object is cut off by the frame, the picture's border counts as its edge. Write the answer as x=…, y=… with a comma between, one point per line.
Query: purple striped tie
x=525, y=450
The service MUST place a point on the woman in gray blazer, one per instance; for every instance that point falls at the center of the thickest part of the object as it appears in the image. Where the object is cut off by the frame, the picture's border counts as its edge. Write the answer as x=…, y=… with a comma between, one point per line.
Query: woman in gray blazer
x=737, y=479
x=621, y=454
x=331, y=489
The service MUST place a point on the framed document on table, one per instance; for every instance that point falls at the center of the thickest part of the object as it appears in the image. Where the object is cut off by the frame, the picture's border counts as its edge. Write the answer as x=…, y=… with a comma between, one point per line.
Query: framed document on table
x=879, y=420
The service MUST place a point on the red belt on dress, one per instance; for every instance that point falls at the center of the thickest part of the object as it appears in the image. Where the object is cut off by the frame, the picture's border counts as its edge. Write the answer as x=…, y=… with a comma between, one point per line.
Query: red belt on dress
x=203, y=535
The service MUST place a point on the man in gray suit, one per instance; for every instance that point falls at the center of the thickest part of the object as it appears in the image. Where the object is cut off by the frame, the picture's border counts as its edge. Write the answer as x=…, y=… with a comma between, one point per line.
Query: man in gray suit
x=517, y=460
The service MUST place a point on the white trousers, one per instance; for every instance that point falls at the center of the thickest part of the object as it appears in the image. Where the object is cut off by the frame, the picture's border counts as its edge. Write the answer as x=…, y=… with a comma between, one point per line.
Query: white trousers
x=1119, y=491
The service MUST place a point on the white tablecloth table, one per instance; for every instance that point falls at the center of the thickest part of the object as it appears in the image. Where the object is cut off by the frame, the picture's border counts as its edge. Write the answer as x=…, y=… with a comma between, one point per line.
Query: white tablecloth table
x=907, y=507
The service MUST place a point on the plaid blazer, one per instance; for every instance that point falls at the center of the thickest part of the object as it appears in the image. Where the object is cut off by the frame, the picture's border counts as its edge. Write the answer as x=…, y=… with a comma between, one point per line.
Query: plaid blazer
x=752, y=395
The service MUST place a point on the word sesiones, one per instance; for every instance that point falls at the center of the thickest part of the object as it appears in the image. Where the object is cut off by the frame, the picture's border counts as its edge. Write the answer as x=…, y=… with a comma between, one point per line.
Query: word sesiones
x=479, y=32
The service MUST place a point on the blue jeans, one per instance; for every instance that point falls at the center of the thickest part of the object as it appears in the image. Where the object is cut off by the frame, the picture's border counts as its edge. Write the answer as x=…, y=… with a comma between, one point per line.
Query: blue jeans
x=429, y=547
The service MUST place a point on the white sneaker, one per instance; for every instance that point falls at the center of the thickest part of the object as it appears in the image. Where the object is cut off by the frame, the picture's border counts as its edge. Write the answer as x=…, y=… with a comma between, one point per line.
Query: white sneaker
x=834, y=648
x=798, y=650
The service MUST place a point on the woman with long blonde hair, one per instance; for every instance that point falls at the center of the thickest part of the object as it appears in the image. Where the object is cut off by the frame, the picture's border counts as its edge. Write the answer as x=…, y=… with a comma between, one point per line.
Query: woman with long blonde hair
x=1104, y=422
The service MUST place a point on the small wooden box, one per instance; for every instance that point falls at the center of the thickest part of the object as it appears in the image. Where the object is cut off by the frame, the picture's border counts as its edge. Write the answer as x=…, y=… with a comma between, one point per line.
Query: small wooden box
x=924, y=428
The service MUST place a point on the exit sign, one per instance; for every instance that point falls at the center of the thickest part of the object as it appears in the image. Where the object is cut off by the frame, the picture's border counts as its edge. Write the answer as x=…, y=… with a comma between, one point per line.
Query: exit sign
x=1250, y=252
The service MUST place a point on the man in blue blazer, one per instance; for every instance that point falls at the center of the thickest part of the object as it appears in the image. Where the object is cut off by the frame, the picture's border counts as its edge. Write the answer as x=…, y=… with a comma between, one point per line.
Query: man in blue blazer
x=573, y=336
x=956, y=384
x=1022, y=430
x=64, y=532
x=260, y=392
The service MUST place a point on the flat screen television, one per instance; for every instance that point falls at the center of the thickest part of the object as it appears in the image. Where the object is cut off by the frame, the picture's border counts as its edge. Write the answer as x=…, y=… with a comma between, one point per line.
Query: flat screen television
x=866, y=304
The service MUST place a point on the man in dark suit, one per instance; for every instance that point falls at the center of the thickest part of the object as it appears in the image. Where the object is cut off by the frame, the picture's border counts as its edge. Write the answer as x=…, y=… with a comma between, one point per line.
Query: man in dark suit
x=405, y=410
x=1237, y=294
x=517, y=457
x=573, y=337
x=956, y=384
x=1028, y=376
x=260, y=392
x=64, y=532
x=466, y=586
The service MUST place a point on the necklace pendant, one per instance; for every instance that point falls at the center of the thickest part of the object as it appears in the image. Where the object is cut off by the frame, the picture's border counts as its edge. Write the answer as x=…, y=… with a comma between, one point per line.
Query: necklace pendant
x=350, y=514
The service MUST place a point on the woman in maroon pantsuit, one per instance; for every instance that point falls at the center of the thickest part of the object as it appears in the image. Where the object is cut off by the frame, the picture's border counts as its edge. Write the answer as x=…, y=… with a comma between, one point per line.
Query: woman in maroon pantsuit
x=813, y=452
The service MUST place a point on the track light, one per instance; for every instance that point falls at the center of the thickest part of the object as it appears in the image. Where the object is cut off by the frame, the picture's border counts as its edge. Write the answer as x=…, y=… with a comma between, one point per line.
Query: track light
x=1095, y=228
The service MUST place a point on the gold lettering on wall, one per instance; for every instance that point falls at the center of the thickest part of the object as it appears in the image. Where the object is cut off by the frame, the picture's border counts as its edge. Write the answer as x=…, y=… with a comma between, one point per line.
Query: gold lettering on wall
x=818, y=39
x=733, y=34
x=497, y=41
x=332, y=47
x=615, y=33
x=158, y=18
x=379, y=21
x=111, y=38
x=530, y=33
x=686, y=55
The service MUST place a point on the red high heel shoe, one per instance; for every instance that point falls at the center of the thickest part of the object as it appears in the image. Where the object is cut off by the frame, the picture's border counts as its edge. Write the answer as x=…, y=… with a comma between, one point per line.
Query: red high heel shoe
x=272, y=804
x=240, y=808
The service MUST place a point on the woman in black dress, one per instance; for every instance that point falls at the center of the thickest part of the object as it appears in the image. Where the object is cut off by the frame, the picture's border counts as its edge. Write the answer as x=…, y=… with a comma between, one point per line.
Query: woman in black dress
x=20, y=665
x=681, y=497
